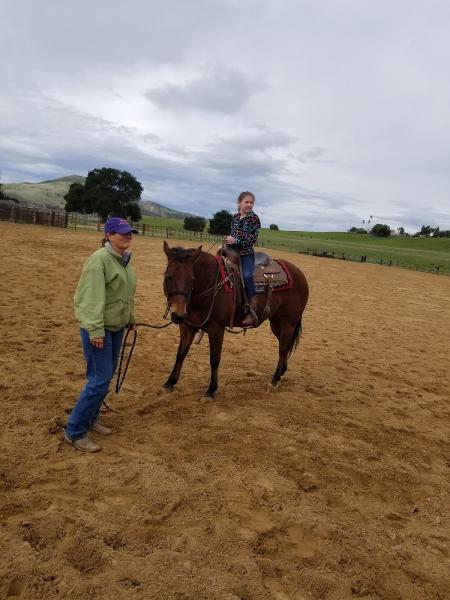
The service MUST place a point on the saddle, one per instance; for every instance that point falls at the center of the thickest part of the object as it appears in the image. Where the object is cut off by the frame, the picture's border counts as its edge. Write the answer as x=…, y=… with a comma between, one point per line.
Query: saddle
x=268, y=272
x=269, y=275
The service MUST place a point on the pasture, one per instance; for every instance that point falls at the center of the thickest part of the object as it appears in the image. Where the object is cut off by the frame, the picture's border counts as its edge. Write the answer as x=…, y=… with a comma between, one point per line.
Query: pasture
x=335, y=487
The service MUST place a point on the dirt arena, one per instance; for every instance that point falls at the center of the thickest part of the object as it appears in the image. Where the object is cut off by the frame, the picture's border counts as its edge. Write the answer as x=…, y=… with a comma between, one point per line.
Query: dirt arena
x=336, y=486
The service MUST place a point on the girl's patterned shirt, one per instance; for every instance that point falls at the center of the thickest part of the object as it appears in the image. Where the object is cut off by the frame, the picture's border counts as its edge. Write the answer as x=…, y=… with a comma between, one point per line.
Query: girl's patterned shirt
x=245, y=231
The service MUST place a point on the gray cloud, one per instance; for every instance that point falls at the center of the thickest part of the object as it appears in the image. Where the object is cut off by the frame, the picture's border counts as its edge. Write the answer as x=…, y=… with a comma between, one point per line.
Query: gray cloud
x=311, y=154
x=259, y=139
x=217, y=89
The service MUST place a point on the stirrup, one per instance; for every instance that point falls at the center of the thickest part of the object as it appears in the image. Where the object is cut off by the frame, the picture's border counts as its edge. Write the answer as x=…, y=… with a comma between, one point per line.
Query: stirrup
x=253, y=315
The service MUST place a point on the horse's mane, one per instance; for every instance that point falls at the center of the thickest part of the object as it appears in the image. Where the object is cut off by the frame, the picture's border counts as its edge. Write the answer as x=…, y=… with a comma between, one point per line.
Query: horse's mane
x=181, y=254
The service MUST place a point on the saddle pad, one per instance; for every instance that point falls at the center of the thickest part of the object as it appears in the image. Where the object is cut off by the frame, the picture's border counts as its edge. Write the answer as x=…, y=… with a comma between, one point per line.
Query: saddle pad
x=223, y=275
x=276, y=273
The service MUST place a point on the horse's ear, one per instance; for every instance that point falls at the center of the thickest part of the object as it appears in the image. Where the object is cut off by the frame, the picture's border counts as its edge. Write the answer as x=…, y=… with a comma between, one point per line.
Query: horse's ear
x=196, y=253
x=166, y=249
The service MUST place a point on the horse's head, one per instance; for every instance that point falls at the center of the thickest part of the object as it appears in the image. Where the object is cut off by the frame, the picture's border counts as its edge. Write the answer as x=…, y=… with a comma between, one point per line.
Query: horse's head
x=179, y=279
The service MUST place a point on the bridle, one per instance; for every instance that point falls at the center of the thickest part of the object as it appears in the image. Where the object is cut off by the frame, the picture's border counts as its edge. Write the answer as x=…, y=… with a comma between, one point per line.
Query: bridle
x=186, y=293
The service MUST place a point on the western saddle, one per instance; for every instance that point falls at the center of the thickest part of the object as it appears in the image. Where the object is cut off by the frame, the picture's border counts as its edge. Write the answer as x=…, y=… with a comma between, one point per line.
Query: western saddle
x=267, y=276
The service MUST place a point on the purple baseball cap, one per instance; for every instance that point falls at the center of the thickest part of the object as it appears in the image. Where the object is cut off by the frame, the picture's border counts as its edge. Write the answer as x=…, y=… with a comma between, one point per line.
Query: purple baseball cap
x=118, y=225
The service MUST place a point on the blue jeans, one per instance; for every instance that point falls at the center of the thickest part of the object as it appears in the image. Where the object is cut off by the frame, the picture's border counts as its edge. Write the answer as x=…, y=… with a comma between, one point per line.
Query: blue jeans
x=101, y=364
x=248, y=266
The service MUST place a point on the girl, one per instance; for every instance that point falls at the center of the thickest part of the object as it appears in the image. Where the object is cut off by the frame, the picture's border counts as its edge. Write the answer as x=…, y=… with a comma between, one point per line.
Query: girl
x=245, y=227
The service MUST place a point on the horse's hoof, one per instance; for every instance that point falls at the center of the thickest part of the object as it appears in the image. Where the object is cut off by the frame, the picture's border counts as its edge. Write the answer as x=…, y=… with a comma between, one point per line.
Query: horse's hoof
x=273, y=387
x=208, y=397
x=166, y=390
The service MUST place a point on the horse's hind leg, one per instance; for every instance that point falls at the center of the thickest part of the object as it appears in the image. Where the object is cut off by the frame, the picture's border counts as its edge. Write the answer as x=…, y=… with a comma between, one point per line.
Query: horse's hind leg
x=186, y=337
x=284, y=331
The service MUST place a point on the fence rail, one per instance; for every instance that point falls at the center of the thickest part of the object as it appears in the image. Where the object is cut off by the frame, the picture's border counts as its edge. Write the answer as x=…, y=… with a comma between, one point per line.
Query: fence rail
x=20, y=213
x=77, y=220
x=433, y=268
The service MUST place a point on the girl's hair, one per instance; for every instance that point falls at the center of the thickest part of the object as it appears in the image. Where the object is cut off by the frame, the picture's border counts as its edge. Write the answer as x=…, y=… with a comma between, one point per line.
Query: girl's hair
x=242, y=195
x=104, y=240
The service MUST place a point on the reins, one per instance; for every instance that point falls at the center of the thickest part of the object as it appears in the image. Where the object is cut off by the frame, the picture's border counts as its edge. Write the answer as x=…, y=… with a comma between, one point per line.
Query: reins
x=214, y=289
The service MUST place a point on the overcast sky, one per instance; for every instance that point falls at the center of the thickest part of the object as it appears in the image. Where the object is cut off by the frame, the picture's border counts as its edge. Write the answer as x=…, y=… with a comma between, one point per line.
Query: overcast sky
x=328, y=110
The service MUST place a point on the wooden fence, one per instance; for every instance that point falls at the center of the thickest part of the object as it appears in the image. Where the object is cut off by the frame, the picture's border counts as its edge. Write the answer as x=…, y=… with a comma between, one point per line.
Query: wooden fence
x=20, y=213
x=434, y=268
x=92, y=222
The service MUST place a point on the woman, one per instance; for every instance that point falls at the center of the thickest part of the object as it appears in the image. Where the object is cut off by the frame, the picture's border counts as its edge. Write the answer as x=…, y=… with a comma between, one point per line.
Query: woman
x=104, y=301
x=244, y=233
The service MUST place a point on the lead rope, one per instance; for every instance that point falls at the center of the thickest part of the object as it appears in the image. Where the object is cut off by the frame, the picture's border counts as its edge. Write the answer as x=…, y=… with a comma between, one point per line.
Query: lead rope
x=121, y=376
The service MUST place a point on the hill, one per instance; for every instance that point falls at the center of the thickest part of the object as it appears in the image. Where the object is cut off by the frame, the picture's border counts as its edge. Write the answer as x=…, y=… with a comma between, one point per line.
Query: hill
x=50, y=194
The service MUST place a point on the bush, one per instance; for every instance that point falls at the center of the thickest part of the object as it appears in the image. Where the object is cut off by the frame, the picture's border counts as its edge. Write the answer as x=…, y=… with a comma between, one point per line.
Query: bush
x=220, y=224
x=194, y=223
x=357, y=230
x=274, y=227
x=381, y=230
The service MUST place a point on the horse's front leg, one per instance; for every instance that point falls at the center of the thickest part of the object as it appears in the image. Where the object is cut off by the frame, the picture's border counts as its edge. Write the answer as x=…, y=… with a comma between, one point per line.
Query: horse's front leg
x=186, y=337
x=215, y=335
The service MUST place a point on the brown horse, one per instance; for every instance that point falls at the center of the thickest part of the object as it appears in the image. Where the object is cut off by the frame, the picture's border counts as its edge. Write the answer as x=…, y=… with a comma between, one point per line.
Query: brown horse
x=197, y=302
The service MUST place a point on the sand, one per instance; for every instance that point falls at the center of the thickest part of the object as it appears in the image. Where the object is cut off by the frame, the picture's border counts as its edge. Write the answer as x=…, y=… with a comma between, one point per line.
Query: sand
x=336, y=486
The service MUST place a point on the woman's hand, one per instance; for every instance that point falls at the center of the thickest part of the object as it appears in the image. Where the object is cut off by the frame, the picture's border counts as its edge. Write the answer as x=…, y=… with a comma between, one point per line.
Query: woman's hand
x=97, y=342
x=230, y=240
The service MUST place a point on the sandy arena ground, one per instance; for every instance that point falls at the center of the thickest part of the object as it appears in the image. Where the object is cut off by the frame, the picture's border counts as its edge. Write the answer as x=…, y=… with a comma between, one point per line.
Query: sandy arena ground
x=334, y=487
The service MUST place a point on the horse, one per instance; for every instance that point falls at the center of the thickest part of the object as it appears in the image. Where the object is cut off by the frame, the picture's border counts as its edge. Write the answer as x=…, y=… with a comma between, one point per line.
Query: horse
x=197, y=300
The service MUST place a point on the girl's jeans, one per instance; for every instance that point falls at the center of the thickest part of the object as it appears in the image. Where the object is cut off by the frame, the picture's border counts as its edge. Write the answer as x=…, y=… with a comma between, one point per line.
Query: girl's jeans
x=101, y=364
x=248, y=266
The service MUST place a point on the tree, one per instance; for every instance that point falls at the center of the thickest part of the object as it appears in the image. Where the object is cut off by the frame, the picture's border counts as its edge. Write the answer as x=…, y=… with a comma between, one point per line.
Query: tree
x=2, y=194
x=75, y=199
x=357, y=230
x=381, y=230
x=107, y=192
x=426, y=231
x=274, y=227
x=401, y=230
x=220, y=224
x=193, y=223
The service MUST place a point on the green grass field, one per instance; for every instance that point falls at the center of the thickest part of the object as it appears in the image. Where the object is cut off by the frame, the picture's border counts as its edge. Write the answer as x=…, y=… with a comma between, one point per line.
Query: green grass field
x=409, y=252
x=427, y=253
x=175, y=224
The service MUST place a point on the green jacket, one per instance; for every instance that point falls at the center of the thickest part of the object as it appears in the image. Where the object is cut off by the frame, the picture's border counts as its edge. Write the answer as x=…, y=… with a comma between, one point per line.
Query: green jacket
x=104, y=298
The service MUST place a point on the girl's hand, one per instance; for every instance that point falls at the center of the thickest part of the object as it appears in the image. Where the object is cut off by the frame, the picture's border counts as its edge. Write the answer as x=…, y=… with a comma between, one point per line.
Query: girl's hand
x=97, y=342
x=230, y=240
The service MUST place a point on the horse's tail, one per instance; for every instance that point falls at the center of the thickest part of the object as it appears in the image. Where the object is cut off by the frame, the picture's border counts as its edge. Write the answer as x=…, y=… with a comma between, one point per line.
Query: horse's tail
x=295, y=339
